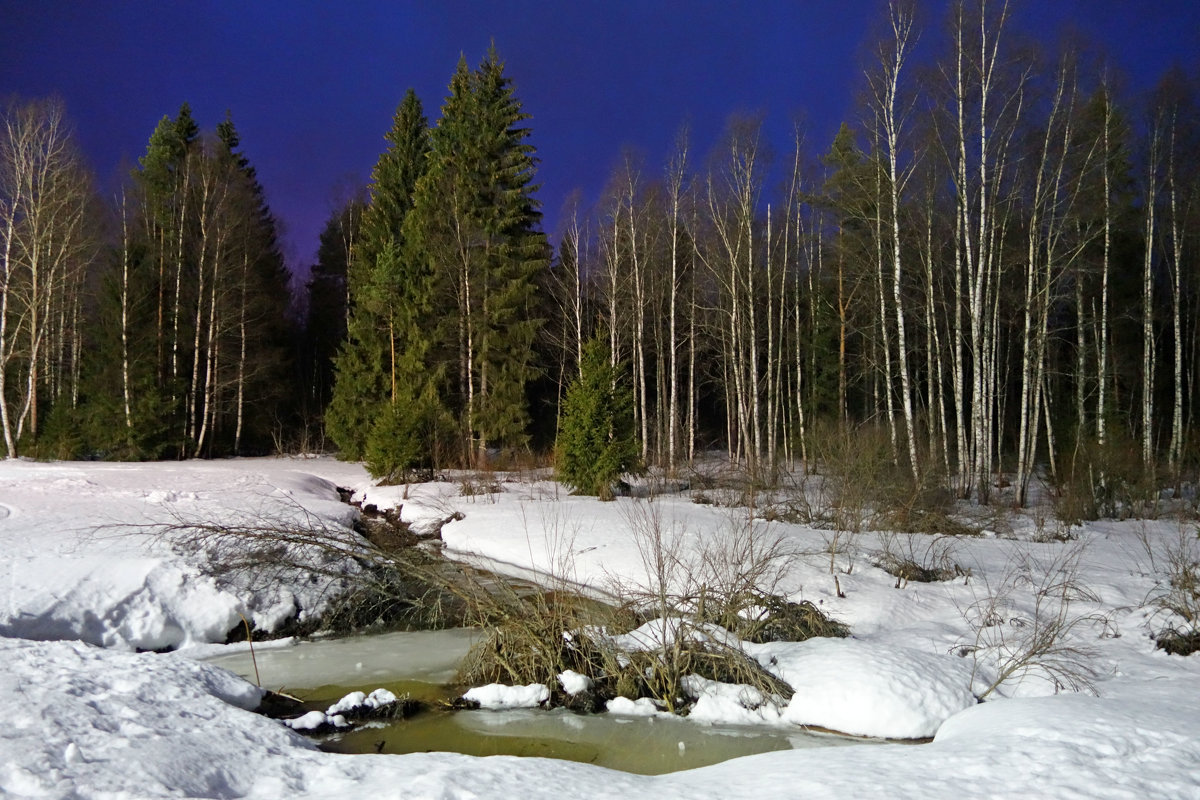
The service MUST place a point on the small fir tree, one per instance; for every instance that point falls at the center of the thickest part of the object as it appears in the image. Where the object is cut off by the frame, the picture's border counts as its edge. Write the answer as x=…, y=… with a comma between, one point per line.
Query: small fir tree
x=596, y=442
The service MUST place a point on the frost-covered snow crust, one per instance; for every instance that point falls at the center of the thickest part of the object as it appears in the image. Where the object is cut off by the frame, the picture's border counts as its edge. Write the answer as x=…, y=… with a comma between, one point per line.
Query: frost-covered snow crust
x=91, y=718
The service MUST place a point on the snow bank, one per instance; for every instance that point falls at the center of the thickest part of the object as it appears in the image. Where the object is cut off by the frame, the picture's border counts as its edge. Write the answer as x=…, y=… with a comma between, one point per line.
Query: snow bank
x=86, y=556
x=79, y=718
x=867, y=689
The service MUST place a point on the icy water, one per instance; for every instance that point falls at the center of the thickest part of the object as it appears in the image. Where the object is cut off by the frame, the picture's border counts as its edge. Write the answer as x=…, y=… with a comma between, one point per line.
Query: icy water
x=420, y=664
x=426, y=656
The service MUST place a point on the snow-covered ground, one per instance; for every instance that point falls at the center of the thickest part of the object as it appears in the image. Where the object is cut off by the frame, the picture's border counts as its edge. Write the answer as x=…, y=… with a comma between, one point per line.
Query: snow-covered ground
x=87, y=583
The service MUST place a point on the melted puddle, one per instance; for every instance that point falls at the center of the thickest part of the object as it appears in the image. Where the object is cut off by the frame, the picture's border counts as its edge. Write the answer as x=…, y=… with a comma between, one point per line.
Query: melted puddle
x=645, y=745
x=420, y=663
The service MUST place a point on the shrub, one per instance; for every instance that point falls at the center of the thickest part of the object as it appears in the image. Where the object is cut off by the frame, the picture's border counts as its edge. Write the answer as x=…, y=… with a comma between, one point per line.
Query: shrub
x=1106, y=480
x=1029, y=624
x=1176, y=596
x=912, y=557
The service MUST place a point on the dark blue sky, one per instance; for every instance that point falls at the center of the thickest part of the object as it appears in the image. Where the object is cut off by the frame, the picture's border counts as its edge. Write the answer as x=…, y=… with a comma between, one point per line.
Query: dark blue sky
x=312, y=85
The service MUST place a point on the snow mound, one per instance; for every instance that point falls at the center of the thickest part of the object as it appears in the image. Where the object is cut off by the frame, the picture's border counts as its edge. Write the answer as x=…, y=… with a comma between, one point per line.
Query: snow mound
x=868, y=689
x=730, y=704
x=315, y=720
x=123, y=724
x=361, y=700
x=642, y=707
x=574, y=682
x=499, y=696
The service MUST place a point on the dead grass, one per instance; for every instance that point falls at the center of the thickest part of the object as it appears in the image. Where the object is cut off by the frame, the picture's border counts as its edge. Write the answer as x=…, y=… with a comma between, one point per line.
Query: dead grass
x=923, y=559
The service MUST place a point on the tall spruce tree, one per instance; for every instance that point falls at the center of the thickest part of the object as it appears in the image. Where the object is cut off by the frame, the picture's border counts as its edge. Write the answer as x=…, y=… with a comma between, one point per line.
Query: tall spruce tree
x=475, y=224
x=384, y=354
x=164, y=181
x=191, y=325
x=259, y=326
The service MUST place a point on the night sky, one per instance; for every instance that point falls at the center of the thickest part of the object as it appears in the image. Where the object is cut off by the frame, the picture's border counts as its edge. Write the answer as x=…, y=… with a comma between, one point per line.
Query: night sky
x=312, y=85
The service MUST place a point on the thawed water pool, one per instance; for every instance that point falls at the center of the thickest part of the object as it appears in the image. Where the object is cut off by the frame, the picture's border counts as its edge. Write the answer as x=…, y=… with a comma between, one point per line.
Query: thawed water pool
x=421, y=663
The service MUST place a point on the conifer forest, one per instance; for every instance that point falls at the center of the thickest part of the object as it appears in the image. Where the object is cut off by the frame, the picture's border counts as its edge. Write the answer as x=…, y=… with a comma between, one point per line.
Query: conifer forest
x=988, y=277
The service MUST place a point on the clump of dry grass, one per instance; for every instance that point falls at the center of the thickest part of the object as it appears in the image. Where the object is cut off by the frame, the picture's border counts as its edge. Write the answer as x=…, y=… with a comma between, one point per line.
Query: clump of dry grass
x=758, y=617
x=923, y=559
x=534, y=637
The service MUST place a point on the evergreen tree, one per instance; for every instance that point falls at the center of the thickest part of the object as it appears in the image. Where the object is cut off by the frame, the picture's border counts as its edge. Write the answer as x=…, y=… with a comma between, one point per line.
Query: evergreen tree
x=126, y=296
x=164, y=187
x=389, y=295
x=260, y=325
x=596, y=442
x=328, y=302
x=475, y=225
x=192, y=326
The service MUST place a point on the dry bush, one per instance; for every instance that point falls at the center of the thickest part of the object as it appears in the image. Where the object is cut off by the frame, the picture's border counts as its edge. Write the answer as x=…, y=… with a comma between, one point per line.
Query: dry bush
x=370, y=582
x=1176, y=595
x=858, y=470
x=694, y=589
x=912, y=557
x=537, y=632
x=1105, y=481
x=1028, y=623
x=534, y=636
x=771, y=618
x=862, y=487
x=480, y=485
x=727, y=485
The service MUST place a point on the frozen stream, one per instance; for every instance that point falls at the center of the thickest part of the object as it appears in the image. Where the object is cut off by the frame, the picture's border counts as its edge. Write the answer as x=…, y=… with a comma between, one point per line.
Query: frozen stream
x=426, y=656
x=422, y=663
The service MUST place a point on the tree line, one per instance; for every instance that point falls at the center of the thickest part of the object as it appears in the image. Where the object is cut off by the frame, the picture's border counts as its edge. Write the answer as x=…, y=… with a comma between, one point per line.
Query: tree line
x=991, y=267
x=152, y=324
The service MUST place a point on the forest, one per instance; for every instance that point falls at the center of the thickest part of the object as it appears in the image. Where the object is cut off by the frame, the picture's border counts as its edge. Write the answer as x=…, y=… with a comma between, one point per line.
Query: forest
x=987, y=279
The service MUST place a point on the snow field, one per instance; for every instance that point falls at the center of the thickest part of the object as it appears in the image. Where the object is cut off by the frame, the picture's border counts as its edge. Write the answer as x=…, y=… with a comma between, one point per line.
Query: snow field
x=90, y=722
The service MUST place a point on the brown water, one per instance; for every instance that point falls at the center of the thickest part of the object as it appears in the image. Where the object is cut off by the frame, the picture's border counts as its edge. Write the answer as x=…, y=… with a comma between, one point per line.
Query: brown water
x=645, y=745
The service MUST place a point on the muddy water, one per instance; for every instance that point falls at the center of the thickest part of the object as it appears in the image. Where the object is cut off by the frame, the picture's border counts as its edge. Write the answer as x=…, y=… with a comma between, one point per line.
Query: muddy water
x=649, y=746
x=420, y=664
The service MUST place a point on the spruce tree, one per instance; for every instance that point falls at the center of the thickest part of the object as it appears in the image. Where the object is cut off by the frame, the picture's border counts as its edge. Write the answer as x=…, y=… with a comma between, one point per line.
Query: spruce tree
x=260, y=329
x=387, y=340
x=103, y=429
x=328, y=304
x=475, y=223
x=596, y=440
